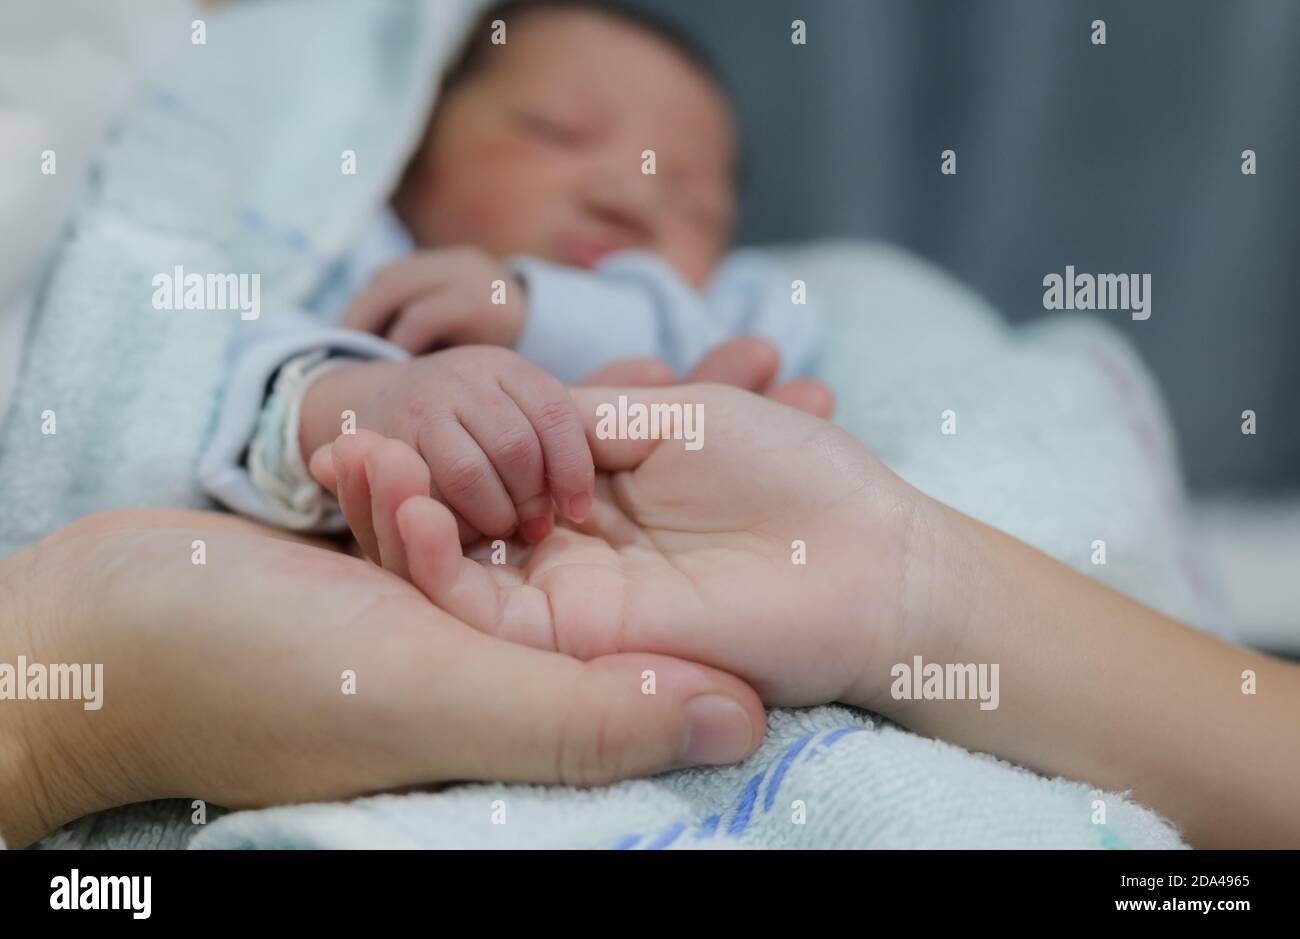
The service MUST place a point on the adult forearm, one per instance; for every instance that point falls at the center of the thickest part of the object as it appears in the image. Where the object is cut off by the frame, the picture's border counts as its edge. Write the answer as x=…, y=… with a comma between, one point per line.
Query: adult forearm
x=1097, y=687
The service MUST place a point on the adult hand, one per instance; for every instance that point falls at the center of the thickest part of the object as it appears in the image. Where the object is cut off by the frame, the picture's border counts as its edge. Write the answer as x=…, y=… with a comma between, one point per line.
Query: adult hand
x=780, y=550
x=229, y=681
x=693, y=553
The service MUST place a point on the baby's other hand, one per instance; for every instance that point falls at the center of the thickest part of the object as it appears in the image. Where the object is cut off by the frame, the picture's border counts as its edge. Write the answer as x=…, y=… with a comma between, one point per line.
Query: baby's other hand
x=442, y=297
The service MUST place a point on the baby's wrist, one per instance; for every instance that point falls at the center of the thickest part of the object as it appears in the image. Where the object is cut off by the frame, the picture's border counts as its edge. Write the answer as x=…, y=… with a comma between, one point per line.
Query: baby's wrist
x=337, y=398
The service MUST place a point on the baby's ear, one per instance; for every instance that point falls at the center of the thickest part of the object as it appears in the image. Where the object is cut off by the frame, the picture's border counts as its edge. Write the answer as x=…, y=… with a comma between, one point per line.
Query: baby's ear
x=321, y=467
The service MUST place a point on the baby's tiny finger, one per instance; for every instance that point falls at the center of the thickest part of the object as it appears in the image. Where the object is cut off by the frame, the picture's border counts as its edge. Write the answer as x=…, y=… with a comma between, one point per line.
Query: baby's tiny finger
x=510, y=442
x=570, y=472
x=390, y=289
x=422, y=324
x=466, y=479
x=536, y=520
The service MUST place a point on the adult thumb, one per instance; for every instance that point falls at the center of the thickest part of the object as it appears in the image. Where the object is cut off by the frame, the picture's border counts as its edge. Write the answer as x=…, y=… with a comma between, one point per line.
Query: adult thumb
x=556, y=719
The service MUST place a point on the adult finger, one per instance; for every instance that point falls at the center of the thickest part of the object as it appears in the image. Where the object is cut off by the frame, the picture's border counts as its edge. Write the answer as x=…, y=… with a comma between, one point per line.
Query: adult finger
x=322, y=470
x=599, y=409
x=645, y=372
x=516, y=714
x=395, y=473
x=439, y=567
x=321, y=467
x=348, y=453
x=806, y=394
x=747, y=362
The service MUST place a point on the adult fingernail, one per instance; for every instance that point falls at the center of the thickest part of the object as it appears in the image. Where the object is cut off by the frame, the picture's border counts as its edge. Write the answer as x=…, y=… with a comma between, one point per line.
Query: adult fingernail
x=719, y=731
x=579, y=506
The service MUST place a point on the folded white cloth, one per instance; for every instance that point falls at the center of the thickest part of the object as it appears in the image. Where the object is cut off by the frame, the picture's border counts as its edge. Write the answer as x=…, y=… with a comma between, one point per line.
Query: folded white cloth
x=65, y=70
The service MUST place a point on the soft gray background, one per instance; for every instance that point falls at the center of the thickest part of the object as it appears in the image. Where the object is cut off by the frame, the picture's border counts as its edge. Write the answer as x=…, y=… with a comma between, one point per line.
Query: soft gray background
x=1116, y=158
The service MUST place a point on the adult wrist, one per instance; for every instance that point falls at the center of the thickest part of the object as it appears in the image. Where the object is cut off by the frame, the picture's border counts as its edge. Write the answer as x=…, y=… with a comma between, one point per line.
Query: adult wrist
x=32, y=801
x=937, y=583
x=64, y=759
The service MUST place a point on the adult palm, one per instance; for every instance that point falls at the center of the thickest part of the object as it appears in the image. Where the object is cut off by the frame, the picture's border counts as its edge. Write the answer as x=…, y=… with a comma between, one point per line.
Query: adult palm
x=776, y=551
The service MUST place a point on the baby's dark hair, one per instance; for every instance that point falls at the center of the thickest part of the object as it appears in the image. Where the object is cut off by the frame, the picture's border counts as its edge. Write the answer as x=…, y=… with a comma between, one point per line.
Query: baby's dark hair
x=474, y=54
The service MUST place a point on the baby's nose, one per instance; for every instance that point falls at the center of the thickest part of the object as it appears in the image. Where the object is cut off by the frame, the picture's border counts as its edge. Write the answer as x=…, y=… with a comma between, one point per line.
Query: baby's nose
x=624, y=200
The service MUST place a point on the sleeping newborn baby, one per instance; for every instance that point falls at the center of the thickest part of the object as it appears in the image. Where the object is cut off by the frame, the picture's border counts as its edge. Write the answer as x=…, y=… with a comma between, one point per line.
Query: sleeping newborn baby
x=569, y=206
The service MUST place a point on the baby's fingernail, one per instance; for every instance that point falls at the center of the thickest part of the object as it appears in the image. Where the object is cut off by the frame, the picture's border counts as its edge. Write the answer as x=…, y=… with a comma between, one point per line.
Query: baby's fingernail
x=535, y=530
x=718, y=732
x=579, y=506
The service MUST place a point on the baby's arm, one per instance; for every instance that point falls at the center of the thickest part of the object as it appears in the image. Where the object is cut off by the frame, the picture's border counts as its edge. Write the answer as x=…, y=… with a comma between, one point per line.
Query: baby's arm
x=634, y=304
x=500, y=436
x=573, y=322
x=252, y=463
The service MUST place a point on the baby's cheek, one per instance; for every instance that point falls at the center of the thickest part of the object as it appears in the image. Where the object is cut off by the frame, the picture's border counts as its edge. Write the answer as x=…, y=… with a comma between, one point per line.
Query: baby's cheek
x=501, y=214
x=496, y=191
x=459, y=210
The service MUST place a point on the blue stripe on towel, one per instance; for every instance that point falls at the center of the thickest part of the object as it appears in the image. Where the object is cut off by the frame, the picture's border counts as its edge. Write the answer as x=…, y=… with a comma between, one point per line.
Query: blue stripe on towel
x=709, y=828
x=789, y=757
x=746, y=807
x=831, y=739
x=666, y=838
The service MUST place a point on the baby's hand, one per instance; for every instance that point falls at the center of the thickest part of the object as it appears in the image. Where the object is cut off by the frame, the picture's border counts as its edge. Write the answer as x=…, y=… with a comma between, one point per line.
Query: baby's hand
x=443, y=297
x=494, y=437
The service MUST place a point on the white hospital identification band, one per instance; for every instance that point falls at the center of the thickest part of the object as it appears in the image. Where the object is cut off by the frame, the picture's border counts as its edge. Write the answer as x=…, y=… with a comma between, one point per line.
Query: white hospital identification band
x=275, y=461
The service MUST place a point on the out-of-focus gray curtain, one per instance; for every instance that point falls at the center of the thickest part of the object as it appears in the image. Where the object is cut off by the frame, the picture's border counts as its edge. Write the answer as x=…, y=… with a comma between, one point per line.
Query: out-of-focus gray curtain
x=1120, y=158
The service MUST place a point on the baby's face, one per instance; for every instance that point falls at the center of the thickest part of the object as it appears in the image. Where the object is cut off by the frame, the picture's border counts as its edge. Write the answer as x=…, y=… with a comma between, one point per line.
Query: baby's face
x=540, y=151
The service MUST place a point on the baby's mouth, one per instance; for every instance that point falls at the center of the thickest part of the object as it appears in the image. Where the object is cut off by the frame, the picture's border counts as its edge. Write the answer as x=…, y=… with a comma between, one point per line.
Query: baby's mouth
x=585, y=252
